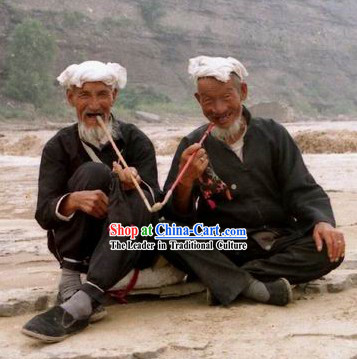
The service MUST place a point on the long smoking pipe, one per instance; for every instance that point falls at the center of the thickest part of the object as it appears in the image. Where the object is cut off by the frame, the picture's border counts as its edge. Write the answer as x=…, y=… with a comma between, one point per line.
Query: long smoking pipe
x=158, y=205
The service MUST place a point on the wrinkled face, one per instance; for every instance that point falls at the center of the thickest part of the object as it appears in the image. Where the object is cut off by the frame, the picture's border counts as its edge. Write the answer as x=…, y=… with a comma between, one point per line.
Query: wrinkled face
x=91, y=100
x=220, y=101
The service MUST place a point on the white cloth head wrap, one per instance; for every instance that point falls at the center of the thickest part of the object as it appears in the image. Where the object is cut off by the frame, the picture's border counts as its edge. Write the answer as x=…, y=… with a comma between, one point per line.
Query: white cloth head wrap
x=112, y=74
x=218, y=67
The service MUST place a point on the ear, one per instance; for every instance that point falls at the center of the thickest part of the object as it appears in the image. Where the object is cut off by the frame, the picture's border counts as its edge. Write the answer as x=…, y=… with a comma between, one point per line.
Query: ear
x=198, y=97
x=70, y=96
x=115, y=94
x=243, y=91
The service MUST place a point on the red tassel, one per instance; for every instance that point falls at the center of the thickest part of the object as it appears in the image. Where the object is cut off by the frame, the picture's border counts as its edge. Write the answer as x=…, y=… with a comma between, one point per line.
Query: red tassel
x=211, y=203
x=120, y=294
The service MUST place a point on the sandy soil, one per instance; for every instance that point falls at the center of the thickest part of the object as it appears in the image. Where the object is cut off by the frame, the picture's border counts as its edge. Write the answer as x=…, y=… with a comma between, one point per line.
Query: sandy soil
x=317, y=326
x=322, y=327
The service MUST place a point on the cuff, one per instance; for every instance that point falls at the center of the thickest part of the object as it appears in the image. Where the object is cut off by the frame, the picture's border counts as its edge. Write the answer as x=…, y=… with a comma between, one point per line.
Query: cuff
x=172, y=214
x=94, y=291
x=61, y=216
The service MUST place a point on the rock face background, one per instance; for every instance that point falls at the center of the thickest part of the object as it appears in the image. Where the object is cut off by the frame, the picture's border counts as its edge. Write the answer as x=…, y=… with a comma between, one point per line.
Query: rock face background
x=275, y=110
x=302, y=53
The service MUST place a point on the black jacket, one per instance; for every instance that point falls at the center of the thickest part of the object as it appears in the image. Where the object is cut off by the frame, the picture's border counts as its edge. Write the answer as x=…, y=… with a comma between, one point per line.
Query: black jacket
x=272, y=188
x=64, y=153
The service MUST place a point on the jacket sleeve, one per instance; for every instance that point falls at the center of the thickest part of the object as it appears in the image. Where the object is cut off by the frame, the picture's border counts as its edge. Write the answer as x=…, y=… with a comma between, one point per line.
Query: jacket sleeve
x=52, y=184
x=302, y=196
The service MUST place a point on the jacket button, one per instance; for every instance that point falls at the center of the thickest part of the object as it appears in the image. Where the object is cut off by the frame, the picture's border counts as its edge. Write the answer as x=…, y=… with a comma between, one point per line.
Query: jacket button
x=233, y=186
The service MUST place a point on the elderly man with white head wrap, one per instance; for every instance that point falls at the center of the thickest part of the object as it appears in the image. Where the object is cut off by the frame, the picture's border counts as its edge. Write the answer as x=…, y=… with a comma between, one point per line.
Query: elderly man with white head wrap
x=79, y=196
x=249, y=174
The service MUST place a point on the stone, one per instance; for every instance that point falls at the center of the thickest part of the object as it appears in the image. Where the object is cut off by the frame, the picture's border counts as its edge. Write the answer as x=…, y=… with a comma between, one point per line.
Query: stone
x=334, y=282
x=20, y=301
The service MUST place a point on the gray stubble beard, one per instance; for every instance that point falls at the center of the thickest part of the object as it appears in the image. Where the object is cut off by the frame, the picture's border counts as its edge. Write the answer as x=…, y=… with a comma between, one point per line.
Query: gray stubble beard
x=225, y=134
x=96, y=135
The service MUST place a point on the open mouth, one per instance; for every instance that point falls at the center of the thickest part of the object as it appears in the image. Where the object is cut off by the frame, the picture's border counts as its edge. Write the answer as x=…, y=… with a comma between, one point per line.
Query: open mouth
x=93, y=114
x=223, y=119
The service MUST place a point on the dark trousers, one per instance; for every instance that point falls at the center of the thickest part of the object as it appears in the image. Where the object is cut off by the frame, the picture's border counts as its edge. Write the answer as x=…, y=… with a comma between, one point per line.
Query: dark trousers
x=75, y=242
x=227, y=273
x=108, y=266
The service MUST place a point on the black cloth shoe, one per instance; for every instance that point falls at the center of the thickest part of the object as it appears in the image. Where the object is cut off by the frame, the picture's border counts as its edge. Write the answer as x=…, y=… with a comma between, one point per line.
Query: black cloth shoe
x=54, y=325
x=280, y=292
x=99, y=312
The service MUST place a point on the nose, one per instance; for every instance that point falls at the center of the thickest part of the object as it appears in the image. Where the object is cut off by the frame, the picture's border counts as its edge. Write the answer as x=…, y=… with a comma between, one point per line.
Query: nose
x=93, y=104
x=219, y=108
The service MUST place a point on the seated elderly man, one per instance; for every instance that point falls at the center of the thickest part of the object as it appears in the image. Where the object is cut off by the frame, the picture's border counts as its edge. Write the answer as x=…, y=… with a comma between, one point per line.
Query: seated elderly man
x=79, y=196
x=249, y=174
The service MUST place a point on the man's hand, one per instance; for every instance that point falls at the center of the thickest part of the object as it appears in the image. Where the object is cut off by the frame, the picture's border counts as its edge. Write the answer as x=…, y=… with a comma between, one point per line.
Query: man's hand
x=125, y=177
x=182, y=194
x=94, y=203
x=333, y=238
x=197, y=166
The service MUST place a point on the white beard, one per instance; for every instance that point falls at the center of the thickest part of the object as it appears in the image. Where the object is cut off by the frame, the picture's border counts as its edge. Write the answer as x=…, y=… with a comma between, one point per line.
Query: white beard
x=95, y=135
x=225, y=134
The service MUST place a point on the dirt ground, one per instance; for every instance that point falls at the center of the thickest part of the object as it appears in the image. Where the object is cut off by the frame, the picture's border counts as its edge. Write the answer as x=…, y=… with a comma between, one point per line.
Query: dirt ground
x=319, y=324
x=318, y=327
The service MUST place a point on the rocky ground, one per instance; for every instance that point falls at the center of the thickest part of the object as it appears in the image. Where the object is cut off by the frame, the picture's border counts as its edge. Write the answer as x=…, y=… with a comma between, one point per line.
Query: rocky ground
x=321, y=323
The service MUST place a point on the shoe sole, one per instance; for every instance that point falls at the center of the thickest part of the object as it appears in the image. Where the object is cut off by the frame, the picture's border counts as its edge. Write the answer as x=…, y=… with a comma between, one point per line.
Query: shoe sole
x=42, y=337
x=290, y=291
x=47, y=339
x=96, y=317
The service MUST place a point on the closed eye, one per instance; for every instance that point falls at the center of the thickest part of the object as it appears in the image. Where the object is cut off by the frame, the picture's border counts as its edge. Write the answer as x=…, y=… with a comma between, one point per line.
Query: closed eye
x=207, y=101
x=83, y=95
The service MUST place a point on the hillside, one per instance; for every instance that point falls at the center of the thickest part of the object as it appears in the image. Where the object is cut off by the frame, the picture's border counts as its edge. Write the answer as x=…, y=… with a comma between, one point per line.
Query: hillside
x=301, y=52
